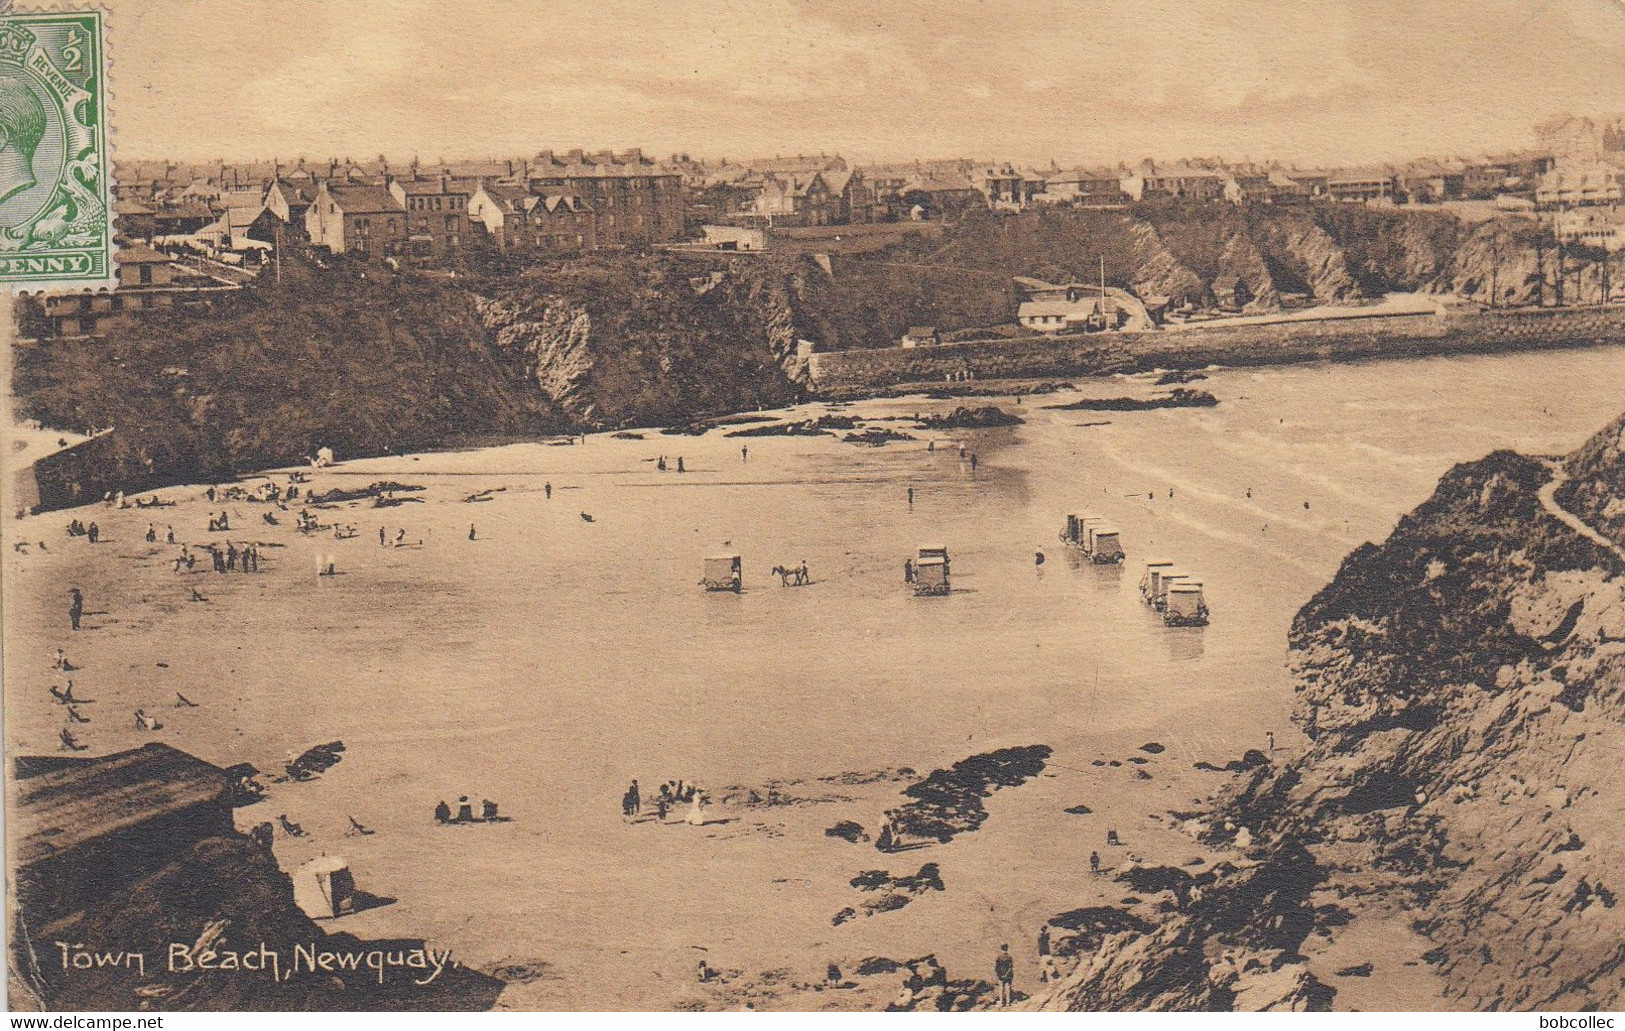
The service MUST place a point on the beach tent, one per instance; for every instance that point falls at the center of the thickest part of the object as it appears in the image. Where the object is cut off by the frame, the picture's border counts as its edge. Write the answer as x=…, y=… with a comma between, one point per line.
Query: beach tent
x=324, y=888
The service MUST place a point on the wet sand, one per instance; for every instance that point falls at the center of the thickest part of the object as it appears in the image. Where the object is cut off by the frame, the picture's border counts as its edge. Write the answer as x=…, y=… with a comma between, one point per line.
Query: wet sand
x=550, y=660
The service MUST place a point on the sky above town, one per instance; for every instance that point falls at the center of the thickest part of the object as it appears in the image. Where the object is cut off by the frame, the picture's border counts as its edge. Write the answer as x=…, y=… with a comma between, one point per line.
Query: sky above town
x=1089, y=81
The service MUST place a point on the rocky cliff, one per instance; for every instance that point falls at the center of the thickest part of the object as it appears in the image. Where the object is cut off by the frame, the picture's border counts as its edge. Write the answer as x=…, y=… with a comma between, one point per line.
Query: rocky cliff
x=1157, y=273
x=1462, y=687
x=337, y=352
x=1327, y=252
x=621, y=339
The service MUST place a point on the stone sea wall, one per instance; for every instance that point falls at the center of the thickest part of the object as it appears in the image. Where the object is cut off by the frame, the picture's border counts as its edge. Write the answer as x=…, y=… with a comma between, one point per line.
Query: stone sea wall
x=1376, y=336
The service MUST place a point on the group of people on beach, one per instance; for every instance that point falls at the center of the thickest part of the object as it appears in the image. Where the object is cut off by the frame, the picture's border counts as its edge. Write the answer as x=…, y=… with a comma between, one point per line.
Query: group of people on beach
x=660, y=463
x=672, y=794
x=78, y=529
x=229, y=560
x=465, y=812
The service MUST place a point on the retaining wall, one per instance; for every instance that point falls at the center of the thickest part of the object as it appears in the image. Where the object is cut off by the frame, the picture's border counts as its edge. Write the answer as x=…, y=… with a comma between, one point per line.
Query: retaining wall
x=1392, y=336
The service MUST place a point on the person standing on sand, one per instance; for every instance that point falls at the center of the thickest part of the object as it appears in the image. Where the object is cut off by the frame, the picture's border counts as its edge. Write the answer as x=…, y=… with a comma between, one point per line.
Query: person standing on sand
x=681, y=469
x=1094, y=862
x=1269, y=736
x=1004, y=969
x=382, y=538
x=169, y=535
x=744, y=453
x=547, y=489
x=95, y=533
x=911, y=497
x=76, y=606
x=470, y=531
x=152, y=534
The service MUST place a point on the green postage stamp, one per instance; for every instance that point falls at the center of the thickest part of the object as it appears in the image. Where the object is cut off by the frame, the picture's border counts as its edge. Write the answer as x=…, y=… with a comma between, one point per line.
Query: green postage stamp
x=55, y=211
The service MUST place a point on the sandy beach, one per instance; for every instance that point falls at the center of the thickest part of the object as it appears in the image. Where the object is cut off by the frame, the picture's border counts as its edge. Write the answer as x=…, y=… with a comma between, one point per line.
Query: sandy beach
x=550, y=660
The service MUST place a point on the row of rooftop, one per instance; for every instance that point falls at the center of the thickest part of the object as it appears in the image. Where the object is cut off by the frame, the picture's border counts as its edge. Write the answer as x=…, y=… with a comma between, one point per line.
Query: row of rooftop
x=209, y=225
x=825, y=189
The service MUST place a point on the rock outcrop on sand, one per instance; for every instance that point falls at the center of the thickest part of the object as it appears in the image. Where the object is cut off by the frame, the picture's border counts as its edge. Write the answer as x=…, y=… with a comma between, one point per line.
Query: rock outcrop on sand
x=949, y=802
x=1462, y=687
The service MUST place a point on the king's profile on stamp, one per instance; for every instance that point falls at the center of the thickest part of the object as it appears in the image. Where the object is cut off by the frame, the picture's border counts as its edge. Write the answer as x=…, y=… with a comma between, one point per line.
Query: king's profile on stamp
x=55, y=229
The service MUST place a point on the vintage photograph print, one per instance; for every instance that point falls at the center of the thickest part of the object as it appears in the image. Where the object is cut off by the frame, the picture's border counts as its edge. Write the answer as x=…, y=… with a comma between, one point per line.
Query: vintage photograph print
x=813, y=506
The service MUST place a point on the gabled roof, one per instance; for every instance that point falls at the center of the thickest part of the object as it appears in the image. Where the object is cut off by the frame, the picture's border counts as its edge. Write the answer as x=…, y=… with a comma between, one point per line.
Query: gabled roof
x=1355, y=175
x=292, y=191
x=139, y=254
x=239, y=199
x=510, y=198
x=190, y=209
x=935, y=184
x=1076, y=175
x=836, y=181
x=1058, y=306
x=70, y=805
x=569, y=201
x=364, y=200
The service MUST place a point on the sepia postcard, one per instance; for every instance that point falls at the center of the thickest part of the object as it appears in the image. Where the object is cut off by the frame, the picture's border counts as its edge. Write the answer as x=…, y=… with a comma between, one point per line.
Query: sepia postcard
x=813, y=506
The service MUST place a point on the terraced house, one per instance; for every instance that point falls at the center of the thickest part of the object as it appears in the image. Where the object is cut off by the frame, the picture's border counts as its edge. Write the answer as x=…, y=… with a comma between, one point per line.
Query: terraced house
x=517, y=221
x=636, y=201
x=437, y=216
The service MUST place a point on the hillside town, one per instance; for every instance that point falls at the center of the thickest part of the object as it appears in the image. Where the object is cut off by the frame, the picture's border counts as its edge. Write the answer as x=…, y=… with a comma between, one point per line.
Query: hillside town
x=807, y=507
x=194, y=230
